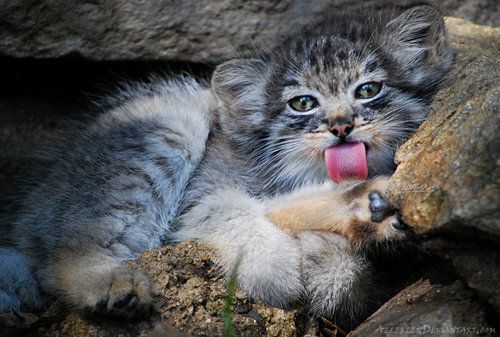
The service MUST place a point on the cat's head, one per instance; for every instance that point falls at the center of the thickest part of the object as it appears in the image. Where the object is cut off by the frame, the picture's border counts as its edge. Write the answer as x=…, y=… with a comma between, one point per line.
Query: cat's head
x=357, y=77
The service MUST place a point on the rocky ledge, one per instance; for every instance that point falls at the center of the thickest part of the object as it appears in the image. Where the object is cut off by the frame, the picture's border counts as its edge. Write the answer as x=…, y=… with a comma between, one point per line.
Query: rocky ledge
x=196, y=31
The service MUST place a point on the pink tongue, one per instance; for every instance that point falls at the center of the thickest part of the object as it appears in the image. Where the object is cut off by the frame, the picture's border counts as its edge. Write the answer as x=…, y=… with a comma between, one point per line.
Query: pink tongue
x=346, y=161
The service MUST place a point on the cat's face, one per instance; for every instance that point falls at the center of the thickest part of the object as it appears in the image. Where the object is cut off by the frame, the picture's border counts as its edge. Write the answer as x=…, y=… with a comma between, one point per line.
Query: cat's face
x=370, y=82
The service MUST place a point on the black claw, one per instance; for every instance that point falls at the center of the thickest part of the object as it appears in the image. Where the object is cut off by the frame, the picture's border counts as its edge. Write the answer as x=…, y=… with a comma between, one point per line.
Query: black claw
x=374, y=195
x=379, y=206
x=102, y=304
x=124, y=300
x=132, y=304
x=398, y=224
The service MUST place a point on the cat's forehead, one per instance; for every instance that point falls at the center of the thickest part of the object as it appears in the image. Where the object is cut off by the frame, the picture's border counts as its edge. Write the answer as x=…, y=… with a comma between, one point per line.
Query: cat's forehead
x=330, y=64
x=331, y=77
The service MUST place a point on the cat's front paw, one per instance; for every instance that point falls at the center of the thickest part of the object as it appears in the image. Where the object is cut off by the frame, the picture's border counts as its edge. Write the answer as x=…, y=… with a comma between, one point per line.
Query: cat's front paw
x=373, y=218
x=381, y=209
x=127, y=293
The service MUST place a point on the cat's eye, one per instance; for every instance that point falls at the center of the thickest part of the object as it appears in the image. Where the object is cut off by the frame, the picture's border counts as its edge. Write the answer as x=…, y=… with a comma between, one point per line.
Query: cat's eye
x=303, y=103
x=368, y=90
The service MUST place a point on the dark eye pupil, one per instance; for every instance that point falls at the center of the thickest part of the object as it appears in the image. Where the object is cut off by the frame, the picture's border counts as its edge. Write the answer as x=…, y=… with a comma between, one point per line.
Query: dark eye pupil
x=302, y=103
x=368, y=90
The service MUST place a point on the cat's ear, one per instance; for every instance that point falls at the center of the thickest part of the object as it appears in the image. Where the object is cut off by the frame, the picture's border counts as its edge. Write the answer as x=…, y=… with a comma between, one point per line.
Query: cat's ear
x=239, y=83
x=418, y=41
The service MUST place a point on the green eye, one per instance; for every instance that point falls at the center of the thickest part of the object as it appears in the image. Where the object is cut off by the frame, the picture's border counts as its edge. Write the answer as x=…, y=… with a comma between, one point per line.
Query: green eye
x=303, y=103
x=368, y=90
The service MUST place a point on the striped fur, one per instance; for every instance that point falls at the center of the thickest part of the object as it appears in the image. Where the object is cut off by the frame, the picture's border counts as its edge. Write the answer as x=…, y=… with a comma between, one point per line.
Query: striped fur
x=177, y=160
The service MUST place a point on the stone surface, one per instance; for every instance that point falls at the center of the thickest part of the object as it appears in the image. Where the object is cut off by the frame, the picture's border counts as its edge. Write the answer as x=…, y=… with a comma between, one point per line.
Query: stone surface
x=477, y=264
x=195, y=30
x=189, y=296
x=427, y=308
x=449, y=172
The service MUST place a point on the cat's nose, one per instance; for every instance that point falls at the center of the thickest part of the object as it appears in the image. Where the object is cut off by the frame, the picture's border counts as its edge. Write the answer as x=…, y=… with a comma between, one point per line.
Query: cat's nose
x=340, y=127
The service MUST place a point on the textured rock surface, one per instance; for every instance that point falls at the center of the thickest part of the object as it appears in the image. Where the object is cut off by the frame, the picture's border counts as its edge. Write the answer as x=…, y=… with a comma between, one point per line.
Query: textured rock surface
x=189, y=297
x=449, y=171
x=477, y=264
x=428, y=309
x=199, y=31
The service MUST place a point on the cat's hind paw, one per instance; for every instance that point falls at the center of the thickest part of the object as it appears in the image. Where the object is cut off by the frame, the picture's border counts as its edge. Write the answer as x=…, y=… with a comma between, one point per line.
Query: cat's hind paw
x=128, y=294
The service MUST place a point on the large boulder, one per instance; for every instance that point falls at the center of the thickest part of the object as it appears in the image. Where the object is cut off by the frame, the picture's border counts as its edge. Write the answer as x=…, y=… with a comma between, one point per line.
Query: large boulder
x=427, y=308
x=449, y=172
x=447, y=184
x=197, y=30
x=476, y=263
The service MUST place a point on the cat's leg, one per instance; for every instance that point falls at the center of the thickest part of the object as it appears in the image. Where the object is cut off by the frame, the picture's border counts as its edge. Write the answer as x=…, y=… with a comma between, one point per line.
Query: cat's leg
x=338, y=228
x=18, y=288
x=92, y=280
x=112, y=195
x=340, y=284
x=265, y=260
x=360, y=212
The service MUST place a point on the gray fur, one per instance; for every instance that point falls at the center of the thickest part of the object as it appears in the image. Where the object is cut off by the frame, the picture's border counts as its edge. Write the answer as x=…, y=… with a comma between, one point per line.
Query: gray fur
x=18, y=289
x=149, y=168
x=348, y=291
x=116, y=187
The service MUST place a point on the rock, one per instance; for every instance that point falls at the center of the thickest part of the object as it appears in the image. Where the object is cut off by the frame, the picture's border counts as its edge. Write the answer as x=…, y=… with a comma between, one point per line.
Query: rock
x=189, y=296
x=475, y=263
x=449, y=172
x=447, y=182
x=429, y=309
x=196, y=31
x=484, y=12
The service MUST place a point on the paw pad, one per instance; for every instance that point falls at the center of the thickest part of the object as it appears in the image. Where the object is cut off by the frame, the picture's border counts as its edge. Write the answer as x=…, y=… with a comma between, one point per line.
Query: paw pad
x=379, y=206
x=126, y=301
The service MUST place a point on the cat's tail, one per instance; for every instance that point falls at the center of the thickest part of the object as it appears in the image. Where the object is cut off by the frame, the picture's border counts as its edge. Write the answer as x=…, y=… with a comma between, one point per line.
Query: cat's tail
x=18, y=288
